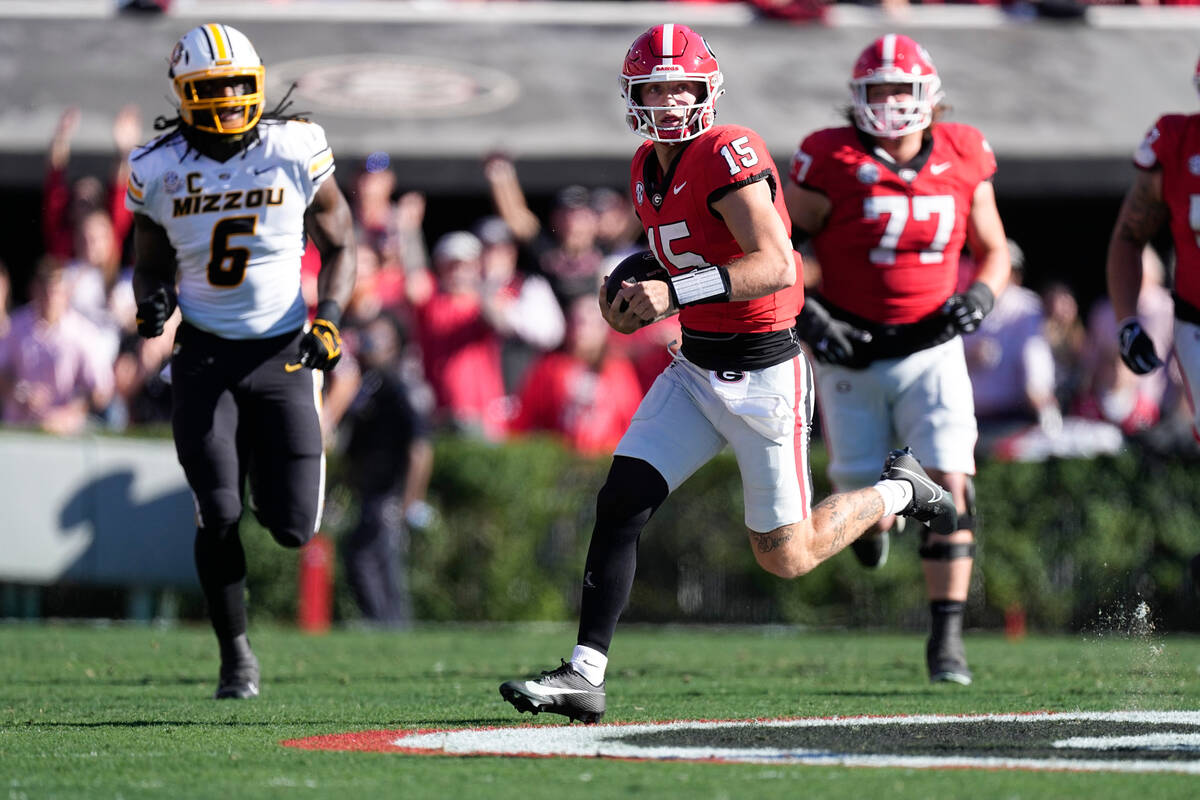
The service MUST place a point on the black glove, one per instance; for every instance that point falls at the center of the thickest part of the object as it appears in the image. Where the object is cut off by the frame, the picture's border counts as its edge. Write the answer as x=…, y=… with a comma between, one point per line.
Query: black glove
x=1137, y=350
x=153, y=311
x=967, y=309
x=832, y=341
x=321, y=347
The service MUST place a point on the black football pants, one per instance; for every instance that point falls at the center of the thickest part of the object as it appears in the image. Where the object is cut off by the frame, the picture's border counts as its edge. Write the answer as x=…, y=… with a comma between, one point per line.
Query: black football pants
x=241, y=408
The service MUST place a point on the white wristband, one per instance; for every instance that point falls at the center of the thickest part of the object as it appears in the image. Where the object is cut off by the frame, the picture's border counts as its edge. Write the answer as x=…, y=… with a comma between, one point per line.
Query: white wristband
x=709, y=284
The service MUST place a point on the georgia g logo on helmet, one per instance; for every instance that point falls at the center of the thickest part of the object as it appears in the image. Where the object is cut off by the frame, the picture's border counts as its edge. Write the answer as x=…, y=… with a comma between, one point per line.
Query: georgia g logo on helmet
x=218, y=80
x=670, y=53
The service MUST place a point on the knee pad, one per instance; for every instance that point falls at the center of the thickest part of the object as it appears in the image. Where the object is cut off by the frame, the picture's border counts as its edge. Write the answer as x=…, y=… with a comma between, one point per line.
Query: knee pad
x=218, y=509
x=291, y=528
x=946, y=551
x=969, y=520
x=633, y=491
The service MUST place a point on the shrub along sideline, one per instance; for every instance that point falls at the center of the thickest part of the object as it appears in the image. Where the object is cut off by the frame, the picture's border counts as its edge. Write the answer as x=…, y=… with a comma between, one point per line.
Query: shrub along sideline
x=1075, y=544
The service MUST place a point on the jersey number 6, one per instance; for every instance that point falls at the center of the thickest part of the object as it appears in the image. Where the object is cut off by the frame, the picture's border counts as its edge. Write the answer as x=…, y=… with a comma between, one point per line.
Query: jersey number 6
x=226, y=264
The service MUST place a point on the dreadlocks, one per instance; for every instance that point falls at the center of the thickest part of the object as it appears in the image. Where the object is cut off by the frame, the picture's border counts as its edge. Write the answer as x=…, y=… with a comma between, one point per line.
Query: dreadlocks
x=216, y=144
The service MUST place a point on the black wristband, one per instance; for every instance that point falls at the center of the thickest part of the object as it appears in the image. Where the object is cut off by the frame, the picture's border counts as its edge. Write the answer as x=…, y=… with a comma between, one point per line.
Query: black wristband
x=329, y=311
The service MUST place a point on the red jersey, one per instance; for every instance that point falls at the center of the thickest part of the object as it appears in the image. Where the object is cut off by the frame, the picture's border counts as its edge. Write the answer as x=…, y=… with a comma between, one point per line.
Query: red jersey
x=1173, y=145
x=462, y=361
x=590, y=410
x=685, y=232
x=889, y=250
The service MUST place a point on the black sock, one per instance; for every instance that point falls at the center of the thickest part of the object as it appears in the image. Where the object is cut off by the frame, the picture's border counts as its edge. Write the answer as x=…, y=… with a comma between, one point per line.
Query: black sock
x=221, y=567
x=632, y=493
x=947, y=618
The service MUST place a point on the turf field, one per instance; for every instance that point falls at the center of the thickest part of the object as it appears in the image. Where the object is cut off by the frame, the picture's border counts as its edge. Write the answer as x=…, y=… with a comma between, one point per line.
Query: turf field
x=117, y=711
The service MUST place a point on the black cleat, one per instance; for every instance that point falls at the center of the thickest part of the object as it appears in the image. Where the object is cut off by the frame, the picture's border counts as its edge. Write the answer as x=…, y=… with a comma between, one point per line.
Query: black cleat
x=947, y=660
x=871, y=549
x=931, y=504
x=239, y=671
x=560, y=691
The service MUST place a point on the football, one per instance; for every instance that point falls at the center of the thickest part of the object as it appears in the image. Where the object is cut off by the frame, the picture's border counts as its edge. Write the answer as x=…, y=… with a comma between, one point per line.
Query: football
x=637, y=267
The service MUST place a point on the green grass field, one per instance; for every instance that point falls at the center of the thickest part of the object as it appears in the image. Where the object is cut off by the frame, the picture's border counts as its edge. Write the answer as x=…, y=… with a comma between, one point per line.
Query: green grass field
x=106, y=712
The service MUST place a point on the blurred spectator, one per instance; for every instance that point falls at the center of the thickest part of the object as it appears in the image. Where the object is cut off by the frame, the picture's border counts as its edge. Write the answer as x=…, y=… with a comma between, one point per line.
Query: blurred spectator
x=618, y=230
x=1010, y=362
x=5, y=300
x=52, y=371
x=586, y=393
x=520, y=307
x=365, y=303
x=1067, y=339
x=143, y=6
x=92, y=277
x=1111, y=391
x=459, y=347
x=372, y=201
x=65, y=207
x=570, y=258
x=389, y=459
x=393, y=228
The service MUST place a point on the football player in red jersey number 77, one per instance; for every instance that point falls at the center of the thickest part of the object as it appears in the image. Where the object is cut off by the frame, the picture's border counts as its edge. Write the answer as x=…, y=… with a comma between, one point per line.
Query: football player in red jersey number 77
x=890, y=202
x=1166, y=189
x=710, y=200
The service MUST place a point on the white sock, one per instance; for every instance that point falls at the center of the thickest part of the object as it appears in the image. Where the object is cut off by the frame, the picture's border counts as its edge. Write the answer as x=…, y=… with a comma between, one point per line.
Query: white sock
x=589, y=663
x=896, y=495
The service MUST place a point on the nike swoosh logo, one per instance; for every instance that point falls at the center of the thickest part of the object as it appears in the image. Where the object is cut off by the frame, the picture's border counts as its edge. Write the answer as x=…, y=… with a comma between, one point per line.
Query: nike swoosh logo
x=264, y=169
x=292, y=367
x=551, y=691
x=921, y=480
x=938, y=169
x=679, y=188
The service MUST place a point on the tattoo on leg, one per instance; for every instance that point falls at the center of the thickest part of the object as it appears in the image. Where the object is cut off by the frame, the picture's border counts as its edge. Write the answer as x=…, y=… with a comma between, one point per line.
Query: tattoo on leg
x=769, y=541
x=845, y=516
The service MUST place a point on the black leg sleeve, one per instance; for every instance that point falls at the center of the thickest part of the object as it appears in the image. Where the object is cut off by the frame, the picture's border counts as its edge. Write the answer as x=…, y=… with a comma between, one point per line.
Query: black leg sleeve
x=632, y=493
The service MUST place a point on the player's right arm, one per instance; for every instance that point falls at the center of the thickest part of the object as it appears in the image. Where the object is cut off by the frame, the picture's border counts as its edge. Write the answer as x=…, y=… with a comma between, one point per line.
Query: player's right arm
x=1142, y=213
x=767, y=265
x=154, y=268
x=808, y=209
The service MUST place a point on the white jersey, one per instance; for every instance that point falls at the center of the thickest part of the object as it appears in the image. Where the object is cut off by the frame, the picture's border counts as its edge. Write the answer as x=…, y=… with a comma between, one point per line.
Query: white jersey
x=237, y=226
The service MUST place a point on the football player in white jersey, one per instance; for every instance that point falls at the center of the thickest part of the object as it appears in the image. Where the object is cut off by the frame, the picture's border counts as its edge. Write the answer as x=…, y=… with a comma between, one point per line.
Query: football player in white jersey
x=222, y=202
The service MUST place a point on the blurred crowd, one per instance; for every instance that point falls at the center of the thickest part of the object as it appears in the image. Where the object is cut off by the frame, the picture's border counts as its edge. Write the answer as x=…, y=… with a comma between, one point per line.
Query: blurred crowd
x=493, y=330
x=813, y=10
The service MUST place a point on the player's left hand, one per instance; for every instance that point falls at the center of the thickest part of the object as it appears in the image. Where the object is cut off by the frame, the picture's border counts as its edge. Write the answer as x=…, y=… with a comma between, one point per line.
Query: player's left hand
x=153, y=311
x=321, y=347
x=967, y=309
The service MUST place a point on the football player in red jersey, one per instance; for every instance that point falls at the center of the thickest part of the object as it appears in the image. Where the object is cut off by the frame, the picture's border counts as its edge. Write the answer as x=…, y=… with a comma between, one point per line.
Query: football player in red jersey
x=1166, y=189
x=890, y=202
x=708, y=197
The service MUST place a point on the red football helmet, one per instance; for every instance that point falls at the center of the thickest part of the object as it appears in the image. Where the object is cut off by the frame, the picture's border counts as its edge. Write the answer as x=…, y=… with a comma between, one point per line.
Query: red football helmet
x=670, y=53
x=895, y=59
